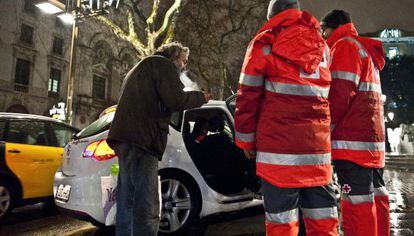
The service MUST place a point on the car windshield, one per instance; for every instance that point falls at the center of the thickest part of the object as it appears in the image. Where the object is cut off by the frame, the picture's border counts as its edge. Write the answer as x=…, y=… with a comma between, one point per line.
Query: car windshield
x=100, y=125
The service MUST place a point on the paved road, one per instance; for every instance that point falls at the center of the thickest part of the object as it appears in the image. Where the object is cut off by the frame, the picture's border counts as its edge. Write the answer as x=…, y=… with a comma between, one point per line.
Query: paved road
x=35, y=220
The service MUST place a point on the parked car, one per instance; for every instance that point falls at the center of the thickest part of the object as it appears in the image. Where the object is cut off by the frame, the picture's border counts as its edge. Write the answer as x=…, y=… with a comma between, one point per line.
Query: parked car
x=31, y=149
x=195, y=181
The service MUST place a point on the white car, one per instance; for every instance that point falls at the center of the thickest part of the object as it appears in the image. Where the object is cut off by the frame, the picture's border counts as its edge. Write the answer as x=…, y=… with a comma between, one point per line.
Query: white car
x=196, y=181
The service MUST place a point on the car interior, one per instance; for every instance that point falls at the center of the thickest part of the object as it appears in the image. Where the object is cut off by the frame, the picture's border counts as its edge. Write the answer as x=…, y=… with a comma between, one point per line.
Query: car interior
x=209, y=138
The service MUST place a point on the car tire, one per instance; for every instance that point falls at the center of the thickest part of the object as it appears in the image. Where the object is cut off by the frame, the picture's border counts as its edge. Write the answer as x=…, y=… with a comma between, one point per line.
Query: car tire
x=177, y=219
x=7, y=200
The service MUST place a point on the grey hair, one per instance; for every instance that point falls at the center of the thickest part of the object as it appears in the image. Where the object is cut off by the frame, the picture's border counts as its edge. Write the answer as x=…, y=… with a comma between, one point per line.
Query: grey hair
x=172, y=50
x=277, y=6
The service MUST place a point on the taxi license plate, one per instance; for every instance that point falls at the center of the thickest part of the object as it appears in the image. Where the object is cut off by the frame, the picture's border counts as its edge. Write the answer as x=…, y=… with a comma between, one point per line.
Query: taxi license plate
x=63, y=193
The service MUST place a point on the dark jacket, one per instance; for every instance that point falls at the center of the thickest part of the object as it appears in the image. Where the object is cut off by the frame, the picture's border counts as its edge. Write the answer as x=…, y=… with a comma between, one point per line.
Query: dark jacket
x=151, y=91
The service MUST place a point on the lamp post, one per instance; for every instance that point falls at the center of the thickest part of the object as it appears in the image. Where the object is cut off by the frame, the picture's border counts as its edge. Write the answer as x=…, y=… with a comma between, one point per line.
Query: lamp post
x=72, y=69
x=72, y=15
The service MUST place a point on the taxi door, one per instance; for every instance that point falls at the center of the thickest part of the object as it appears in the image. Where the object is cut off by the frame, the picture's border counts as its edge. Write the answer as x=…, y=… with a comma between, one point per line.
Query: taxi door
x=31, y=157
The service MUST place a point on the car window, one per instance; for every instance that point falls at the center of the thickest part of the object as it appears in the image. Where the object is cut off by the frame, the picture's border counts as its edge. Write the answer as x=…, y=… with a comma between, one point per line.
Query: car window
x=2, y=128
x=27, y=132
x=62, y=133
x=100, y=125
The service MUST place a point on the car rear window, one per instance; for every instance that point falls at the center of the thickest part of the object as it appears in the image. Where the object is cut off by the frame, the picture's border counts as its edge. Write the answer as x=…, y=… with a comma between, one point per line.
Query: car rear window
x=100, y=125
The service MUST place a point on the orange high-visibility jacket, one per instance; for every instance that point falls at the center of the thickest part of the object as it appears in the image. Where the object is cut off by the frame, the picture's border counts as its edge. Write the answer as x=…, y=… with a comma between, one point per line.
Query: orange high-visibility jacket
x=355, y=98
x=282, y=108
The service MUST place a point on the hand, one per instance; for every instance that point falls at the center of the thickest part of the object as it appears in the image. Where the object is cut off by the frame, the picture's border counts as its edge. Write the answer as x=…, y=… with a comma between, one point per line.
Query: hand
x=250, y=154
x=207, y=96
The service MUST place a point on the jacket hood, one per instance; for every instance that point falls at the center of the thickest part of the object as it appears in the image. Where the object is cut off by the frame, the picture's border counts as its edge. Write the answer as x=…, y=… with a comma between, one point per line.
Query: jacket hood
x=375, y=50
x=295, y=36
x=373, y=47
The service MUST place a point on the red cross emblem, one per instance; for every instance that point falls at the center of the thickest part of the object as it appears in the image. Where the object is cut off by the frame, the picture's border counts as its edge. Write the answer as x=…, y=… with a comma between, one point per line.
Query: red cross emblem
x=346, y=188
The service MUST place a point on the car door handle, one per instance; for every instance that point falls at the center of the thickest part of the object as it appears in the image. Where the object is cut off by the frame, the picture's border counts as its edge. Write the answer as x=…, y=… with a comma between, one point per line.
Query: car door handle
x=13, y=151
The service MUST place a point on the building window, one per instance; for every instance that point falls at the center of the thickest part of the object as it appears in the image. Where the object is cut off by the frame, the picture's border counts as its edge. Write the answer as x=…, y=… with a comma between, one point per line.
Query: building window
x=58, y=46
x=29, y=6
x=26, y=34
x=22, y=75
x=54, y=81
x=393, y=52
x=98, y=87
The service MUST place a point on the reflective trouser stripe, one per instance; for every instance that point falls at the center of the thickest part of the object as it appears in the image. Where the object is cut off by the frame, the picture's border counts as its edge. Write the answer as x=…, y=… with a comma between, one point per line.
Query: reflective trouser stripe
x=381, y=191
x=354, y=145
x=320, y=213
x=370, y=87
x=345, y=75
x=245, y=137
x=296, y=89
x=283, y=217
x=358, y=199
x=293, y=159
x=251, y=80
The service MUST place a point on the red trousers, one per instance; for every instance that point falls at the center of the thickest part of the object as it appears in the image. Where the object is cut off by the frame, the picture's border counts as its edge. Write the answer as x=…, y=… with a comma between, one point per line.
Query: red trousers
x=282, y=206
x=364, y=202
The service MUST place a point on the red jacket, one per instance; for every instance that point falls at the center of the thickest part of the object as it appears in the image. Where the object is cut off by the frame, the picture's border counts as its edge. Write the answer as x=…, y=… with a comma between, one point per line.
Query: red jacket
x=355, y=98
x=282, y=106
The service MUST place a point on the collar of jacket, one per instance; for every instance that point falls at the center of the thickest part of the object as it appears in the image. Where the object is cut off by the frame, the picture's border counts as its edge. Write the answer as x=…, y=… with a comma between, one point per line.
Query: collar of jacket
x=341, y=32
x=290, y=17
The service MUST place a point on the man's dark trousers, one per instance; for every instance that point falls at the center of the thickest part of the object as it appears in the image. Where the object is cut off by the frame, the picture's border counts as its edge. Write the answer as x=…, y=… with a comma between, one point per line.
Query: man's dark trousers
x=137, y=199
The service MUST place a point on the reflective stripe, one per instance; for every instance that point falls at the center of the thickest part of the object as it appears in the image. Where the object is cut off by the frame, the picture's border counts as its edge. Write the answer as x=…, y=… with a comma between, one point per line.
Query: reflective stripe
x=362, y=51
x=245, y=137
x=266, y=50
x=358, y=199
x=354, y=145
x=381, y=191
x=370, y=87
x=297, y=89
x=293, y=159
x=346, y=76
x=251, y=80
x=320, y=213
x=283, y=217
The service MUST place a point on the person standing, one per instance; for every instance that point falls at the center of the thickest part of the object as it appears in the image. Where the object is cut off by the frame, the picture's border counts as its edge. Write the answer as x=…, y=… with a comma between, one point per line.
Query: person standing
x=282, y=119
x=358, y=147
x=151, y=91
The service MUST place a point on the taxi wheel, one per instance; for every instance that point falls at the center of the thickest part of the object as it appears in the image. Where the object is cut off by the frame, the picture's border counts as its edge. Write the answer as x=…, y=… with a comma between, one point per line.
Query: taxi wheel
x=181, y=203
x=6, y=200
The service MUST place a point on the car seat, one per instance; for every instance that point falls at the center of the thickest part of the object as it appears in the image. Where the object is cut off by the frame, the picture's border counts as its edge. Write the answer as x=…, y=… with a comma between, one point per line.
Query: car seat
x=224, y=159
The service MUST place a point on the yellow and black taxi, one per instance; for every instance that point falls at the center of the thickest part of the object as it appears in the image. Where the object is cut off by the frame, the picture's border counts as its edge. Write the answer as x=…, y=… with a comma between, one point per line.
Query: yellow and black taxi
x=31, y=149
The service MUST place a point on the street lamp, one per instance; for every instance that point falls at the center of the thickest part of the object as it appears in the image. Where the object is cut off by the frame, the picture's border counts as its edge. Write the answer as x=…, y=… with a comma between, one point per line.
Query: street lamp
x=66, y=18
x=74, y=12
x=391, y=116
x=51, y=6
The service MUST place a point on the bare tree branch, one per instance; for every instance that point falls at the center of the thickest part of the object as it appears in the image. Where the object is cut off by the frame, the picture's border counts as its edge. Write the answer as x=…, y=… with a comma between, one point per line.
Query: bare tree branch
x=153, y=15
x=168, y=17
x=136, y=43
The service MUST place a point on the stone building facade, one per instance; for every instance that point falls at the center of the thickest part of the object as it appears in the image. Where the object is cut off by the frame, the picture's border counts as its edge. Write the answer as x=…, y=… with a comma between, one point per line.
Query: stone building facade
x=34, y=63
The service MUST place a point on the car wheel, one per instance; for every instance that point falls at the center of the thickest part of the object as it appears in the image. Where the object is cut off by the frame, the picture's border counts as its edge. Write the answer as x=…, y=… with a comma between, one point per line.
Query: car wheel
x=6, y=200
x=181, y=203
